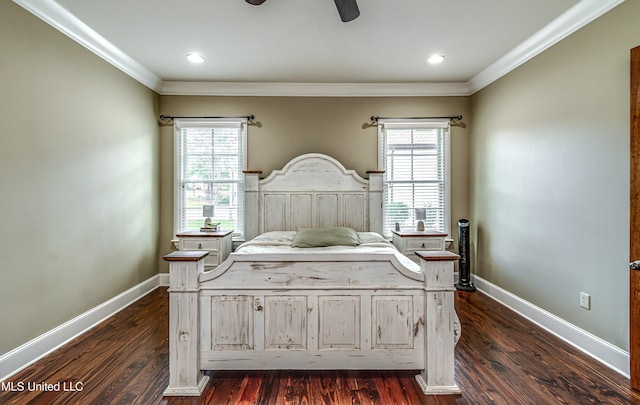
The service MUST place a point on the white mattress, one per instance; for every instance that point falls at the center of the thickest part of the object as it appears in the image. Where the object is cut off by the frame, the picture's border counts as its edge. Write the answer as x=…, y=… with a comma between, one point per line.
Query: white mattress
x=279, y=242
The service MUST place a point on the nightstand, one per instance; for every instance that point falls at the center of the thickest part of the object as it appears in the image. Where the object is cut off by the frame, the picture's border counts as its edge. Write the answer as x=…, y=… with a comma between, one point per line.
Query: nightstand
x=217, y=243
x=408, y=242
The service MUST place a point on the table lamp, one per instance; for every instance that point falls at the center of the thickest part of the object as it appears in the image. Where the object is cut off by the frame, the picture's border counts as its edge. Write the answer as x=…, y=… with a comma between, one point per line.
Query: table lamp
x=207, y=211
x=421, y=215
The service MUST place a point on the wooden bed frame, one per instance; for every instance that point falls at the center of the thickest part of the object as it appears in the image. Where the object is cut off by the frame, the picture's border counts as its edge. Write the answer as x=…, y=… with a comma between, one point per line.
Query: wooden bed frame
x=311, y=311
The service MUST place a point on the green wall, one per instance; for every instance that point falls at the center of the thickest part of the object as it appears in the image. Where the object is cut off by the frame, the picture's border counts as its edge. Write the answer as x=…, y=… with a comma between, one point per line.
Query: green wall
x=550, y=177
x=78, y=179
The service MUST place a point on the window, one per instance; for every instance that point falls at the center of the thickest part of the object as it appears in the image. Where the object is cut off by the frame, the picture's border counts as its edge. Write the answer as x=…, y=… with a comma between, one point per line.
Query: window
x=414, y=155
x=210, y=156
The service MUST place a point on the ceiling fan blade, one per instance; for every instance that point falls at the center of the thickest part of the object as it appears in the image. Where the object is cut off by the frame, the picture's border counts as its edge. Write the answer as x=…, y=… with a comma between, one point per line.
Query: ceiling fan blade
x=348, y=9
x=255, y=2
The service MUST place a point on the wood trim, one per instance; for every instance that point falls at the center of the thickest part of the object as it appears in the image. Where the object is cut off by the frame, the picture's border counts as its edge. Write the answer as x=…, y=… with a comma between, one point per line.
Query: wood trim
x=570, y=21
x=54, y=14
x=203, y=234
x=579, y=15
x=634, y=193
x=600, y=350
x=186, y=256
x=436, y=256
x=126, y=360
x=418, y=234
x=35, y=349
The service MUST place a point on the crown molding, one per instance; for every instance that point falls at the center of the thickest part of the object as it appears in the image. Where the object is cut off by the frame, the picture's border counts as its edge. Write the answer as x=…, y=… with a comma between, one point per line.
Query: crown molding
x=61, y=19
x=314, y=89
x=566, y=24
x=573, y=19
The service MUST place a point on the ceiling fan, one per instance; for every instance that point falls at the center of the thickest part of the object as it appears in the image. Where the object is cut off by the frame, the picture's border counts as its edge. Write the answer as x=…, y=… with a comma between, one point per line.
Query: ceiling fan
x=348, y=9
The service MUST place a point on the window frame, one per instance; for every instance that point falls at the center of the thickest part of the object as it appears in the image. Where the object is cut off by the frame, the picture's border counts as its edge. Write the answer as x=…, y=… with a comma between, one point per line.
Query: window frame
x=417, y=123
x=182, y=123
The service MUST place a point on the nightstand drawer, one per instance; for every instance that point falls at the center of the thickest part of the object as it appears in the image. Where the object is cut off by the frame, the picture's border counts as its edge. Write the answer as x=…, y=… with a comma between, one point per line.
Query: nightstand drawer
x=201, y=244
x=413, y=244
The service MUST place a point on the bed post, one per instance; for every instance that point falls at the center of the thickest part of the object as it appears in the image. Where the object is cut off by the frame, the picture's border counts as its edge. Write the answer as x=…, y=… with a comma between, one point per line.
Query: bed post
x=438, y=376
x=375, y=201
x=251, y=204
x=185, y=376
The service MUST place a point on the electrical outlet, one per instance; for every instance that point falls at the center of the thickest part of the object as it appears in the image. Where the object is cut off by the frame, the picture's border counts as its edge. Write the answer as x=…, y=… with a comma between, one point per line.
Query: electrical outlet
x=585, y=300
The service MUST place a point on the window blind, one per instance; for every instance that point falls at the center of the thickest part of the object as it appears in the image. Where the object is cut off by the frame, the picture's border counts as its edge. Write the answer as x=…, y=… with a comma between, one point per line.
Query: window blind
x=414, y=157
x=211, y=157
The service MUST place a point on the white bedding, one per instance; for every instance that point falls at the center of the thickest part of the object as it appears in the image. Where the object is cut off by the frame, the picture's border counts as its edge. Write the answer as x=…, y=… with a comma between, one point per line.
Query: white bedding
x=280, y=242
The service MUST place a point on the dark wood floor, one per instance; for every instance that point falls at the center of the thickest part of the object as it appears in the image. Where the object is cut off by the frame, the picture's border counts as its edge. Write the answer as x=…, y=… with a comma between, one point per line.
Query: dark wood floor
x=500, y=359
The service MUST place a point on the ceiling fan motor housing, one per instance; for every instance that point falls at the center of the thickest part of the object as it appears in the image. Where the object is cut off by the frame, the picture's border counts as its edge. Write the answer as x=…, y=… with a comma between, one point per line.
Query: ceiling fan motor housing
x=348, y=9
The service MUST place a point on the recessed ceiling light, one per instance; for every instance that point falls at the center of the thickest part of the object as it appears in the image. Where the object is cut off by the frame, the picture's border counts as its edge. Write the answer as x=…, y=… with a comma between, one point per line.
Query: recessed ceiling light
x=433, y=59
x=195, y=58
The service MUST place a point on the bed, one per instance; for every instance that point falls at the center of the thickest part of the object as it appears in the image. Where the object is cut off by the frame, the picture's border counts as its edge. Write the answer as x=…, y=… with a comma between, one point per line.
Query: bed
x=352, y=302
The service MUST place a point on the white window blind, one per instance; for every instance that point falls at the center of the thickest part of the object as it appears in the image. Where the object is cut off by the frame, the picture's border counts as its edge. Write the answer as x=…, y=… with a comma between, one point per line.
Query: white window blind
x=210, y=158
x=414, y=155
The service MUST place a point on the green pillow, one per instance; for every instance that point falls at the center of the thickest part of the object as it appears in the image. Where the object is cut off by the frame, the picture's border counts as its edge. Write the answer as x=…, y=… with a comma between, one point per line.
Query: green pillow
x=319, y=237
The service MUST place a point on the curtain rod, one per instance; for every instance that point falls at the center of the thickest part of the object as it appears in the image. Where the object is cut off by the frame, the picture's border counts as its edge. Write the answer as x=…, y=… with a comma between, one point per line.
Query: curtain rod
x=172, y=117
x=375, y=119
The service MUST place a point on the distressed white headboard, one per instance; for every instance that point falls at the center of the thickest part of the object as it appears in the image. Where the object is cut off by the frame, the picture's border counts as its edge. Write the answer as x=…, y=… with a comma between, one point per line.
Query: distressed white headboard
x=312, y=191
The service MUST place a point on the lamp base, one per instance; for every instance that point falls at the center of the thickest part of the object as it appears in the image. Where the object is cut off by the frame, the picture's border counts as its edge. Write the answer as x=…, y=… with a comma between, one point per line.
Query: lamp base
x=420, y=226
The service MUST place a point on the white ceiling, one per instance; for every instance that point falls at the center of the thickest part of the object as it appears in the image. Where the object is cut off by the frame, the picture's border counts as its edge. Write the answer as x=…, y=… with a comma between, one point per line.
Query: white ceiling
x=302, y=46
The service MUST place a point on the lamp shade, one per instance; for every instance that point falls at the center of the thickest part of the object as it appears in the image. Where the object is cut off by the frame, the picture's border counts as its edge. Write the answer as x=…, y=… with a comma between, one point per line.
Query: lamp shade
x=421, y=213
x=207, y=210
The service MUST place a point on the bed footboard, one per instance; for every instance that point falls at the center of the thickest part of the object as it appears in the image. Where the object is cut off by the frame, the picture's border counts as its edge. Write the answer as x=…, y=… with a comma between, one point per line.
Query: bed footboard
x=405, y=325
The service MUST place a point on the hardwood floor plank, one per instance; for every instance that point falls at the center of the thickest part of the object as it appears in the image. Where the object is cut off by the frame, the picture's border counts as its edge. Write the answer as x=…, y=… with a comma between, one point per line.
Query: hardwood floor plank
x=501, y=358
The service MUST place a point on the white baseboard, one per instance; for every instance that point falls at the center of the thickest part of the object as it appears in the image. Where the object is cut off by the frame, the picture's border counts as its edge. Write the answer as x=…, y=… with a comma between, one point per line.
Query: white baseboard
x=30, y=352
x=164, y=279
x=601, y=350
